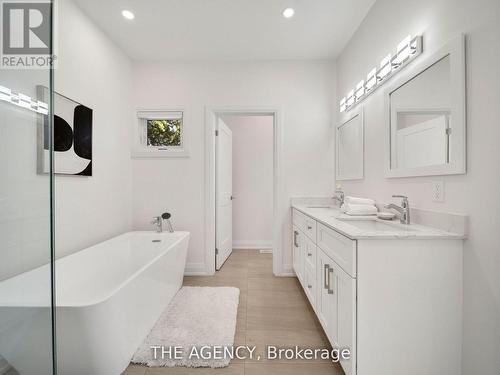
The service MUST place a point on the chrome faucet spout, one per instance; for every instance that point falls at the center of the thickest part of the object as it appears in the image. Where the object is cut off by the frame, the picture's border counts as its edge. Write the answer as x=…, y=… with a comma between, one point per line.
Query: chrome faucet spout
x=395, y=207
x=158, y=223
x=404, y=210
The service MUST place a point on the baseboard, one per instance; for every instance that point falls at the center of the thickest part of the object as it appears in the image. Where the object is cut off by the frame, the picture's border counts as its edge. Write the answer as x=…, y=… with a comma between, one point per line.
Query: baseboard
x=286, y=274
x=252, y=244
x=195, y=269
x=287, y=271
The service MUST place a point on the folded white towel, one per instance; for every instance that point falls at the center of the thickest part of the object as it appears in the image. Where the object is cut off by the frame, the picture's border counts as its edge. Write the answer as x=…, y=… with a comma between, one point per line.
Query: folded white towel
x=355, y=200
x=359, y=209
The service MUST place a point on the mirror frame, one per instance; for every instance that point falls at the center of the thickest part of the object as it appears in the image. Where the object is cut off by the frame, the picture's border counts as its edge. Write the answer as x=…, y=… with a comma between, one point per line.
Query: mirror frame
x=345, y=119
x=455, y=49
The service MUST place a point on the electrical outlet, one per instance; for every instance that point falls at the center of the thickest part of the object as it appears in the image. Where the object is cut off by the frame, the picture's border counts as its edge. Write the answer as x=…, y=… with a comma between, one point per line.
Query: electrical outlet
x=438, y=191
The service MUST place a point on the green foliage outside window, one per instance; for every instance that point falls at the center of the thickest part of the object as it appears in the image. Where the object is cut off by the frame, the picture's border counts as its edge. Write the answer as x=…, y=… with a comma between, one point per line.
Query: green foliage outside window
x=164, y=133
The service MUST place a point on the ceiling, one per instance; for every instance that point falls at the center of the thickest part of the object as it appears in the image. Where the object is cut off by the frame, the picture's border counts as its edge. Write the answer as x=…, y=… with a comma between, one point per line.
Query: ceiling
x=228, y=29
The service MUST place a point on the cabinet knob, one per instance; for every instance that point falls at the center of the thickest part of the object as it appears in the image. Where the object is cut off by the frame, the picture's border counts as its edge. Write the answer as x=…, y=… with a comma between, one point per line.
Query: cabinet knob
x=310, y=286
x=309, y=254
x=309, y=227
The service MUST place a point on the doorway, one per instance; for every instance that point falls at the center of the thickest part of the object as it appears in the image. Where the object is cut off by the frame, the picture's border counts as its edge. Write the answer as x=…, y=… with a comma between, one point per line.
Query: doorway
x=244, y=184
x=243, y=159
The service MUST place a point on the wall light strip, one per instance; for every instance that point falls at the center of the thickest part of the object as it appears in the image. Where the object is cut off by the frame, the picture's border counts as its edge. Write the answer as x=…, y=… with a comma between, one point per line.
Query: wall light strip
x=407, y=50
x=360, y=90
x=24, y=101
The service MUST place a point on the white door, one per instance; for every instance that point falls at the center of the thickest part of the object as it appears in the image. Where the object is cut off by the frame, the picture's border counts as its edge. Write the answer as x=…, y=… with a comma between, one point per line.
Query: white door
x=224, y=192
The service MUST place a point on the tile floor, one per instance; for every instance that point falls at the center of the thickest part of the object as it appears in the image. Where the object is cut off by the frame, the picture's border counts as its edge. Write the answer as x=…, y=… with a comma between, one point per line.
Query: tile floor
x=272, y=311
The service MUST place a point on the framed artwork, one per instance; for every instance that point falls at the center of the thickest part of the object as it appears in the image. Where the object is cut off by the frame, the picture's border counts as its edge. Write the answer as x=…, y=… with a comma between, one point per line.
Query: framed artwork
x=72, y=137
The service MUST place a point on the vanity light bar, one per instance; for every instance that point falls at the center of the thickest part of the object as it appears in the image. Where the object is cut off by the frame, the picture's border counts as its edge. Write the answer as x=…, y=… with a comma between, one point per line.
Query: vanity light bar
x=403, y=51
x=360, y=90
x=406, y=51
x=350, y=99
x=385, y=68
x=23, y=101
x=371, y=80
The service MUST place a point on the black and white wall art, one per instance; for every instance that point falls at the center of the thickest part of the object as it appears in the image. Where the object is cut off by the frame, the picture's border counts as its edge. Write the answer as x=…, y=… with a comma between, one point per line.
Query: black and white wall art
x=72, y=137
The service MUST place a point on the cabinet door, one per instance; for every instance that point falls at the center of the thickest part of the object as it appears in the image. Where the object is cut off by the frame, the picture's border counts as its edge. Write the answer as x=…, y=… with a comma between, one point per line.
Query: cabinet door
x=333, y=283
x=326, y=300
x=310, y=254
x=310, y=283
x=346, y=296
x=298, y=256
x=295, y=248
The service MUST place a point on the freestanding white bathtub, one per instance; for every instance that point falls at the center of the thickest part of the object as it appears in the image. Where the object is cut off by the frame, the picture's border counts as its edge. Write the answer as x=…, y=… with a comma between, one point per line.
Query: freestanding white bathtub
x=108, y=298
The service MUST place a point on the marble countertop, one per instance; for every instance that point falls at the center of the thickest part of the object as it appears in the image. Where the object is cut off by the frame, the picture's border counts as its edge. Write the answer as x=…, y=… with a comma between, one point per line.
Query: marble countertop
x=370, y=227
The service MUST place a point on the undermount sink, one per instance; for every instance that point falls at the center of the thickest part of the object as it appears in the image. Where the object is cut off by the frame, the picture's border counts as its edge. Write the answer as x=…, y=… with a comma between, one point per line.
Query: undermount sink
x=377, y=226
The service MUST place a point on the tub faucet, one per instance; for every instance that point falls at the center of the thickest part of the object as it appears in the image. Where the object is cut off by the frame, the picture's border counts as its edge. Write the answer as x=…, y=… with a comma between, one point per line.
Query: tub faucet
x=158, y=223
x=404, y=210
x=166, y=216
x=339, y=196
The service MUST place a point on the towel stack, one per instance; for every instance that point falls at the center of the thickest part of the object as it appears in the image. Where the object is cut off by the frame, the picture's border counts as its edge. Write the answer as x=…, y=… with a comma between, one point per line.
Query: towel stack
x=359, y=206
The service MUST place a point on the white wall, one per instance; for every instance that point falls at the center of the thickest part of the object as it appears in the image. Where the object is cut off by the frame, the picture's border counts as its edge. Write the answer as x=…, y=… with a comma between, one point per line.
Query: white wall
x=93, y=71
x=302, y=91
x=252, y=180
x=477, y=192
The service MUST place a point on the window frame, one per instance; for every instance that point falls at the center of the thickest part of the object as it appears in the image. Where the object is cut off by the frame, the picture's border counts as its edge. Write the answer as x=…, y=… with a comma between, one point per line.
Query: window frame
x=140, y=148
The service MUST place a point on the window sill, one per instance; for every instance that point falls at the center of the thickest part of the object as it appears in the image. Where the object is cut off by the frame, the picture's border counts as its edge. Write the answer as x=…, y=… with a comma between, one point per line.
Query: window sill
x=144, y=153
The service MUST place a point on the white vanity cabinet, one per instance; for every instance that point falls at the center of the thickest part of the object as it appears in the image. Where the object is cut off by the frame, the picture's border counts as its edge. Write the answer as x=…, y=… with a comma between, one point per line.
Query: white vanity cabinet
x=385, y=298
x=318, y=254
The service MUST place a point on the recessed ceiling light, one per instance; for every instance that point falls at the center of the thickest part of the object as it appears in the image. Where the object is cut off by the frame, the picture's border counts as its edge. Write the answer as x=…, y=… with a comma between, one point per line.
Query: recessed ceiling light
x=288, y=12
x=128, y=14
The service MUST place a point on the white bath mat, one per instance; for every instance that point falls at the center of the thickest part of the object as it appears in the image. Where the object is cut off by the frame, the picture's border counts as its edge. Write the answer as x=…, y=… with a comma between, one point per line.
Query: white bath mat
x=196, y=317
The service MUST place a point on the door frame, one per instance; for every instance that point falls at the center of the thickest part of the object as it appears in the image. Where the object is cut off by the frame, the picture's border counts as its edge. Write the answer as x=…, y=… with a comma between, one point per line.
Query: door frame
x=222, y=128
x=212, y=114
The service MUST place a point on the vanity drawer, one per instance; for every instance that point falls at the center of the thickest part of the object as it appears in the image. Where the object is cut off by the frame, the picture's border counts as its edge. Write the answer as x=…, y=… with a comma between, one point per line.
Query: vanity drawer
x=305, y=224
x=310, y=253
x=310, y=228
x=298, y=219
x=310, y=284
x=338, y=247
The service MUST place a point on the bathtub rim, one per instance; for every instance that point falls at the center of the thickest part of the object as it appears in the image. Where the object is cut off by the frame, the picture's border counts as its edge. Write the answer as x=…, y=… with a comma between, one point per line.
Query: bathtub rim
x=184, y=235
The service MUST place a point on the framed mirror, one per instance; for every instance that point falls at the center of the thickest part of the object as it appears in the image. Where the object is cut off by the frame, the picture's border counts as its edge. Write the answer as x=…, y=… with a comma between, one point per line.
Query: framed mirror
x=425, y=111
x=350, y=147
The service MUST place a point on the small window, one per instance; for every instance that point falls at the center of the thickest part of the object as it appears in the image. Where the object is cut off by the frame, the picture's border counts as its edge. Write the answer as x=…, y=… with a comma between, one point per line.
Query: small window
x=160, y=134
x=164, y=133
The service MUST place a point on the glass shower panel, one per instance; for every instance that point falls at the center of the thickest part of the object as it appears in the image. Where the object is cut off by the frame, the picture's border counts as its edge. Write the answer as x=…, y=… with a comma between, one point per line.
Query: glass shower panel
x=26, y=249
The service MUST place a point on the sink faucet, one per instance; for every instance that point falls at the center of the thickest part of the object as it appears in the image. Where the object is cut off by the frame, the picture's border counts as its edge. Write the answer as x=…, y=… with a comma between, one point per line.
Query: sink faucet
x=339, y=196
x=404, y=210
